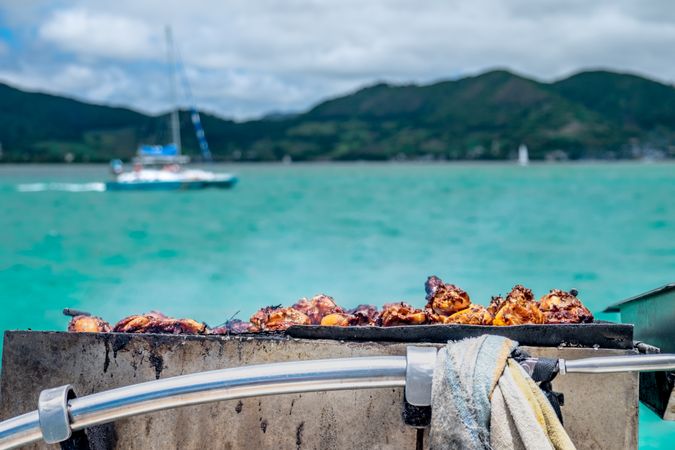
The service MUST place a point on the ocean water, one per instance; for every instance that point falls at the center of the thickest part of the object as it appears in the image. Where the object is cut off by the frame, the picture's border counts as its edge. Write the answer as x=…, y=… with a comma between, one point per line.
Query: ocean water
x=363, y=233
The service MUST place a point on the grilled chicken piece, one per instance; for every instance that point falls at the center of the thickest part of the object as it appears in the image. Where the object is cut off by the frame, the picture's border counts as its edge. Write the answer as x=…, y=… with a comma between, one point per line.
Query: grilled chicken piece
x=362, y=315
x=444, y=299
x=394, y=314
x=473, y=315
x=496, y=303
x=234, y=326
x=276, y=318
x=318, y=307
x=564, y=307
x=339, y=320
x=260, y=317
x=88, y=324
x=365, y=314
x=155, y=322
x=521, y=294
x=518, y=308
x=136, y=322
x=178, y=326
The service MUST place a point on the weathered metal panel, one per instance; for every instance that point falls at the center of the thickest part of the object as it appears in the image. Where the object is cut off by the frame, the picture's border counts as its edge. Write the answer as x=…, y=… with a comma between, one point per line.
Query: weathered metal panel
x=600, y=410
x=653, y=314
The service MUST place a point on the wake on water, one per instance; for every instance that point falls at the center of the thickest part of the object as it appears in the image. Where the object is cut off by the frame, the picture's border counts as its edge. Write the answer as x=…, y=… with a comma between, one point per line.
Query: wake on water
x=66, y=187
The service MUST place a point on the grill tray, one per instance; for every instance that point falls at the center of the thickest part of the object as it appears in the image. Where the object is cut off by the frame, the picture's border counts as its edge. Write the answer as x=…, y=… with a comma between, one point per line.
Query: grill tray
x=597, y=334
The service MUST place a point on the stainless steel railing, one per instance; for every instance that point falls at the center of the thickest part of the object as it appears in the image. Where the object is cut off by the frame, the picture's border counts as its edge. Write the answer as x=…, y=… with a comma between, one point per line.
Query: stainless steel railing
x=203, y=387
x=610, y=364
x=57, y=416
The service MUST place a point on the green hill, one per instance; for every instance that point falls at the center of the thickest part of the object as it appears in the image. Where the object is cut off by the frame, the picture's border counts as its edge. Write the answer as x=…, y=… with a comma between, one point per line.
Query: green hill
x=588, y=115
x=41, y=127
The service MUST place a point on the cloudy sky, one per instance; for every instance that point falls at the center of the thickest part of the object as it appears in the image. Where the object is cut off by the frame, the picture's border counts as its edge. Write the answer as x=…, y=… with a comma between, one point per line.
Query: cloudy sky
x=248, y=57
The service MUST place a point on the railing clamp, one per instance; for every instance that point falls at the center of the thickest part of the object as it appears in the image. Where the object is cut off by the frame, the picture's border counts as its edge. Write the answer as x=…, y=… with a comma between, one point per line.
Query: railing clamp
x=53, y=413
x=419, y=374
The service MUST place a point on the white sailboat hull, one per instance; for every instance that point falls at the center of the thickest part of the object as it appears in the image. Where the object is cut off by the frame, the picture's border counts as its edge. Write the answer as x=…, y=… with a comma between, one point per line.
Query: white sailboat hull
x=164, y=180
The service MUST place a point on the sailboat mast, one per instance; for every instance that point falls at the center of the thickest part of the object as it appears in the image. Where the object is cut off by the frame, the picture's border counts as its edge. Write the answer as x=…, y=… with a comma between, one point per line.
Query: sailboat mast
x=175, y=125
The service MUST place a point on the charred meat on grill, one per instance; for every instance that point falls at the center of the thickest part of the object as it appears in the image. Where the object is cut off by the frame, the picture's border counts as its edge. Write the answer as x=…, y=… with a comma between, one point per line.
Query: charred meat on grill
x=339, y=320
x=88, y=324
x=234, y=326
x=366, y=314
x=237, y=326
x=473, y=315
x=133, y=323
x=276, y=318
x=260, y=317
x=446, y=304
x=394, y=314
x=444, y=299
x=496, y=303
x=520, y=293
x=282, y=318
x=318, y=307
x=564, y=307
x=155, y=322
x=519, y=308
x=179, y=326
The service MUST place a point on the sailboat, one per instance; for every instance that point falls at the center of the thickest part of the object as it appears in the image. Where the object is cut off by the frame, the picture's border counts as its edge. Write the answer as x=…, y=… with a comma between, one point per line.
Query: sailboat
x=160, y=167
x=523, y=155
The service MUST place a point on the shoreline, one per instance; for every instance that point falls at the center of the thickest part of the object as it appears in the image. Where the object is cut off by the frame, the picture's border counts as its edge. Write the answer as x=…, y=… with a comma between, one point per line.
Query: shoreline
x=464, y=162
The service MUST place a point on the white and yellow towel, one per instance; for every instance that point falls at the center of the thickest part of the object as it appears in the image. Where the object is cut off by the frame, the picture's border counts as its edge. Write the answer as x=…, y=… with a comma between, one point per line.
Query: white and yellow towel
x=483, y=400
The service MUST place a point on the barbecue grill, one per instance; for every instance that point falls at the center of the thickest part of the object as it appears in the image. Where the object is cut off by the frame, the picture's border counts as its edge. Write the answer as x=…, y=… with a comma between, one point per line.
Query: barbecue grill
x=96, y=362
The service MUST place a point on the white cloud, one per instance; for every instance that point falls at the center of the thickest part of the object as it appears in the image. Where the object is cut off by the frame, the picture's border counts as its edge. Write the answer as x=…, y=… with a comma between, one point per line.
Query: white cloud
x=100, y=34
x=103, y=84
x=247, y=57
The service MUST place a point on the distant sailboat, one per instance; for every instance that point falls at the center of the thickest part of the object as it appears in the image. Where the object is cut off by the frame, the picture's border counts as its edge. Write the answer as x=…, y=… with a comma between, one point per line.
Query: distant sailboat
x=523, y=155
x=160, y=167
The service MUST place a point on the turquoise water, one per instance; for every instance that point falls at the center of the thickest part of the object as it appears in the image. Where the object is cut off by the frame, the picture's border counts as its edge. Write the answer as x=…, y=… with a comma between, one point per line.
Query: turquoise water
x=359, y=232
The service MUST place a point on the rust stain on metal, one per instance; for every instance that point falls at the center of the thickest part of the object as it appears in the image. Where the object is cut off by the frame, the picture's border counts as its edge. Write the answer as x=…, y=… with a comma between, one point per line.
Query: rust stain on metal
x=120, y=342
x=157, y=363
x=298, y=435
x=106, y=361
x=148, y=426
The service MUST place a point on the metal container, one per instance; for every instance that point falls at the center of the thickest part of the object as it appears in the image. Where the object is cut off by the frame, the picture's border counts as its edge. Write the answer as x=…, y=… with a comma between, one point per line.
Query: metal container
x=600, y=409
x=653, y=316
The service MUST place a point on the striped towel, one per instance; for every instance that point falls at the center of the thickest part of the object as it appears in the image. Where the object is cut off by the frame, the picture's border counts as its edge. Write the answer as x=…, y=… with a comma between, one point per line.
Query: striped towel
x=483, y=400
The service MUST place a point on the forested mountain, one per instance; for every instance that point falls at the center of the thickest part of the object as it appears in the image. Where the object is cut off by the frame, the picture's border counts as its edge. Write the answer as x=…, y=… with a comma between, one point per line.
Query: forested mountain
x=595, y=114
